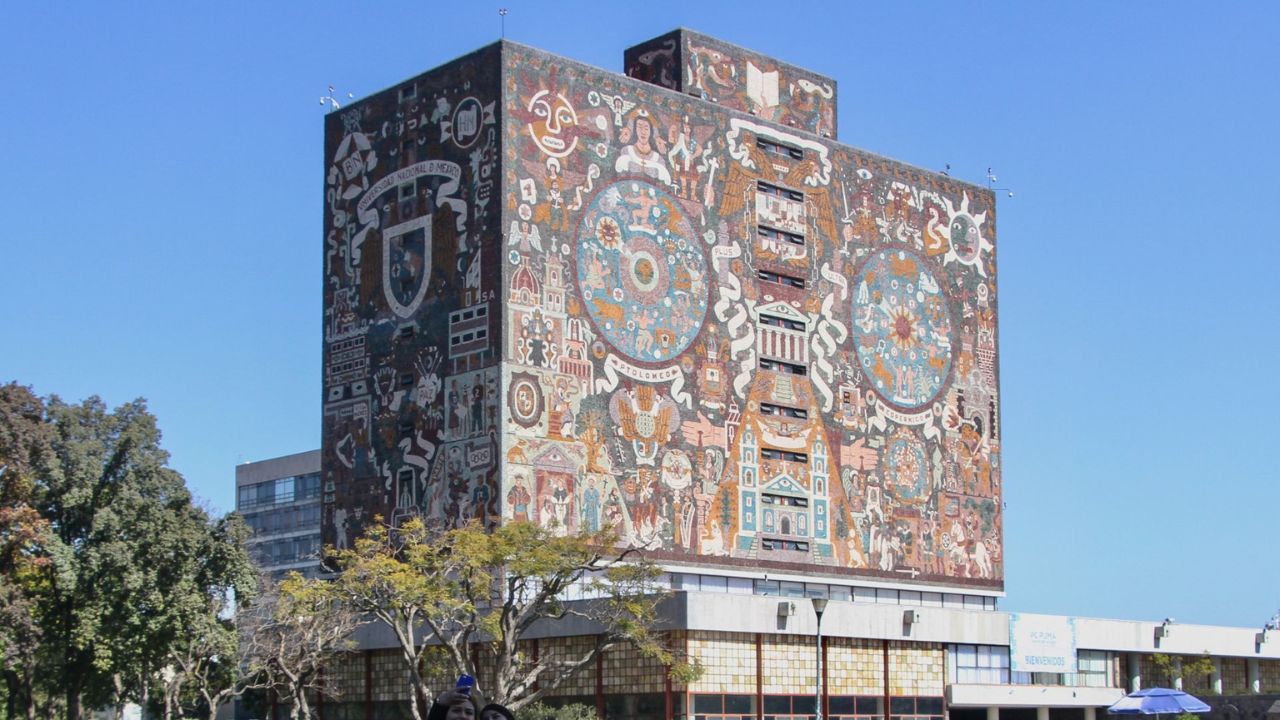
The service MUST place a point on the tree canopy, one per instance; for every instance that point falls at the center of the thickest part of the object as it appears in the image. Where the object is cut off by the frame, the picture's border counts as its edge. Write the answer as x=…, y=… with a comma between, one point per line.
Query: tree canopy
x=453, y=589
x=103, y=552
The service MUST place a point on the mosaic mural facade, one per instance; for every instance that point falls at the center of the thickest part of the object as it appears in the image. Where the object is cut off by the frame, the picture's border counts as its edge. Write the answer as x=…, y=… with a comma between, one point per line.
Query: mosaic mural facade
x=736, y=78
x=568, y=296
x=412, y=213
x=737, y=343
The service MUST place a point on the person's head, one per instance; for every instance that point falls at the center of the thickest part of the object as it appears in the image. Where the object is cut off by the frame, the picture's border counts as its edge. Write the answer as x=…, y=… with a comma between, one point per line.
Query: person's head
x=494, y=711
x=463, y=707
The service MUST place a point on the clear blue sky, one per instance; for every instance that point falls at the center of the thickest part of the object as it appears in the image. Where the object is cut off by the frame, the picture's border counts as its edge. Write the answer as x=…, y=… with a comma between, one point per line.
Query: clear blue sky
x=162, y=196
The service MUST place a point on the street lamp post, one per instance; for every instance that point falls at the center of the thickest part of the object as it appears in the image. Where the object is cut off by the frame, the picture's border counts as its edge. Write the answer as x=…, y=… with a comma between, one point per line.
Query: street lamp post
x=819, y=606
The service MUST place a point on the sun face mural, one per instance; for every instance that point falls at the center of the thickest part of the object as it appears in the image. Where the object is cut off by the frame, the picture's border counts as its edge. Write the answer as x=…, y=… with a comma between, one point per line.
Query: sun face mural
x=641, y=272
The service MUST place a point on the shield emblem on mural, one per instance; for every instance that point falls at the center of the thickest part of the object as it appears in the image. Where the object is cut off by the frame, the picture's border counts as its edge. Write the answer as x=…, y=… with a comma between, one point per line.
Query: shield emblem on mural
x=406, y=264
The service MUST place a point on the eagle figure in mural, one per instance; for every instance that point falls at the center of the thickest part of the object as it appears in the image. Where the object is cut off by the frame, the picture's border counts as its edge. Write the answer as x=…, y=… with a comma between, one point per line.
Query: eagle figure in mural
x=740, y=179
x=817, y=196
x=805, y=176
x=645, y=418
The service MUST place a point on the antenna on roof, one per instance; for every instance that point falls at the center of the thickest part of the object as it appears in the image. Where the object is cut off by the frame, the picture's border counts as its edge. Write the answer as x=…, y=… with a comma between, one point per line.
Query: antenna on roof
x=991, y=183
x=331, y=99
x=502, y=14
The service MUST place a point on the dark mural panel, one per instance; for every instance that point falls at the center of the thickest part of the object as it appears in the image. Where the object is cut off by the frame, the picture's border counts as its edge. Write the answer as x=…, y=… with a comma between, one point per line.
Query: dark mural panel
x=737, y=343
x=412, y=211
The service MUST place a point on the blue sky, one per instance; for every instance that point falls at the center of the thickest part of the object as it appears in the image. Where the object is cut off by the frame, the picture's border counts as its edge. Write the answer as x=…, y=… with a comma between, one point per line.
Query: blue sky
x=163, y=184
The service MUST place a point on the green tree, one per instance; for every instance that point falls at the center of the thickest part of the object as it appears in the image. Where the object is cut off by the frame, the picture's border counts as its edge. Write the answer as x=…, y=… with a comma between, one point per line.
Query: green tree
x=458, y=587
x=126, y=533
x=201, y=665
x=1169, y=668
x=105, y=562
x=26, y=456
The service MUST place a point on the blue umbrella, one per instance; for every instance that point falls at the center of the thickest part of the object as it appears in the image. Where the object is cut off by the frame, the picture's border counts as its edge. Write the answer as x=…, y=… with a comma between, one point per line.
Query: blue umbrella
x=1157, y=701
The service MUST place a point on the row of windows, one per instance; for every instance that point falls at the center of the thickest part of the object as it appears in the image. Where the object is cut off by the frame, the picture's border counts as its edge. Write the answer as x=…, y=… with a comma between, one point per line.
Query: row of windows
x=466, y=337
x=289, y=550
x=783, y=411
x=769, y=499
x=838, y=707
x=767, y=189
x=776, y=588
x=780, y=544
x=783, y=367
x=284, y=520
x=778, y=148
x=479, y=311
x=775, y=321
x=787, y=455
x=695, y=582
x=989, y=665
x=588, y=587
x=275, y=492
x=769, y=233
x=780, y=279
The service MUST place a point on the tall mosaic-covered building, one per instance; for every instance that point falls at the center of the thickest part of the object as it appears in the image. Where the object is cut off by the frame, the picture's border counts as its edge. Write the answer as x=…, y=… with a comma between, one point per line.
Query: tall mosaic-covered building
x=668, y=303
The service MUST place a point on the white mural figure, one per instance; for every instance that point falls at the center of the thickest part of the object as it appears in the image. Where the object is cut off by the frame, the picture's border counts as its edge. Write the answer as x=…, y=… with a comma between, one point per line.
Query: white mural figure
x=644, y=155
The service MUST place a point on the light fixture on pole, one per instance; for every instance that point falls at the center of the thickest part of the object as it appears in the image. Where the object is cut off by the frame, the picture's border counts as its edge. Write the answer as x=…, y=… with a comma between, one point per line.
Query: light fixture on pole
x=991, y=182
x=819, y=607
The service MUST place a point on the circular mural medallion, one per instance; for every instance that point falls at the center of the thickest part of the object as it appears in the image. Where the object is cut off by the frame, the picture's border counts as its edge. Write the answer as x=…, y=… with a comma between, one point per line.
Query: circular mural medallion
x=524, y=398
x=902, y=328
x=468, y=120
x=641, y=271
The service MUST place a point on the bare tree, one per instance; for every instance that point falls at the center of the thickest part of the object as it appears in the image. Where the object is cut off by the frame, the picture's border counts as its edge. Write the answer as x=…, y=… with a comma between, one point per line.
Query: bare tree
x=288, y=637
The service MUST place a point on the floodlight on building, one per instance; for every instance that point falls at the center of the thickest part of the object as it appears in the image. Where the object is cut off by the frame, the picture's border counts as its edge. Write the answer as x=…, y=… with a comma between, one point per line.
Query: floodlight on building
x=991, y=183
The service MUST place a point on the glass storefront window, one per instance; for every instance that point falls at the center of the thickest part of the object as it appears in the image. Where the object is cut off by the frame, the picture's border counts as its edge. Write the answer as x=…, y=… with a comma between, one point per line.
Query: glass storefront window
x=978, y=664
